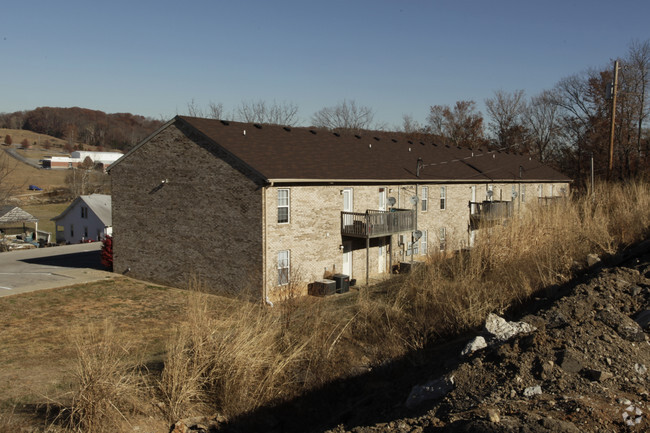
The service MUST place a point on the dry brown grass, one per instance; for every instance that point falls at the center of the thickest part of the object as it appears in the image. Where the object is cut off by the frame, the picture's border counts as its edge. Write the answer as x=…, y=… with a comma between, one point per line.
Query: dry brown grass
x=108, y=387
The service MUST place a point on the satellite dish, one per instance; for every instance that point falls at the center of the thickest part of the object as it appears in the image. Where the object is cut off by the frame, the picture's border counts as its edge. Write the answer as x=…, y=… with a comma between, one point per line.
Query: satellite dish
x=489, y=193
x=514, y=194
x=391, y=201
x=414, y=200
x=417, y=235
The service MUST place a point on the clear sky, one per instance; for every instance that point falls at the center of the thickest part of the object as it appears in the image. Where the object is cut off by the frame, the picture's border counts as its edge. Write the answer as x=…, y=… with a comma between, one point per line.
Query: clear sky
x=398, y=57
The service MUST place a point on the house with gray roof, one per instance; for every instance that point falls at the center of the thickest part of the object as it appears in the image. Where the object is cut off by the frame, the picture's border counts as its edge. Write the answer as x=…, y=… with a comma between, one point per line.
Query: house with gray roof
x=87, y=219
x=264, y=208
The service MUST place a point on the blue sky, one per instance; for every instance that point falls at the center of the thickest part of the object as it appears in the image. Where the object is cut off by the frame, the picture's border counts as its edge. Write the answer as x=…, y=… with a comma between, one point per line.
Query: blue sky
x=398, y=57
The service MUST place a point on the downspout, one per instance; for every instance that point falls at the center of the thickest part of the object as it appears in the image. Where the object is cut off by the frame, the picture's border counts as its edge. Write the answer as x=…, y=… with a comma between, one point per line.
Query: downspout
x=265, y=292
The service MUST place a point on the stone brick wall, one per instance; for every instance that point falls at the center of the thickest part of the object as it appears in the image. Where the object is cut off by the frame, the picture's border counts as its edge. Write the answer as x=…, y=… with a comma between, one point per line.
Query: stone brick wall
x=204, y=222
x=313, y=234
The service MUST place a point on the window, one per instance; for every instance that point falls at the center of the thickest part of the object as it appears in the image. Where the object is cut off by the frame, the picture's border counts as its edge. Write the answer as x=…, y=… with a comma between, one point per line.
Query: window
x=413, y=248
x=283, y=268
x=86, y=232
x=423, y=241
x=523, y=193
x=71, y=230
x=283, y=206
x=443, y=197
x=425, y=198
x=513, y=192
x=443, y=238
x=84, y=212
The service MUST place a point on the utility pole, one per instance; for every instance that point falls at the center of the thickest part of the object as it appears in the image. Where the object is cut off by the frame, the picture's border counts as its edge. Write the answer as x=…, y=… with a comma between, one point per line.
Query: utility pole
x=612, y=126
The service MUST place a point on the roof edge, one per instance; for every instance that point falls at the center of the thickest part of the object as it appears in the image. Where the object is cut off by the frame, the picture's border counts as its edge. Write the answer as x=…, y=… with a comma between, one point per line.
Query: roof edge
x=143, y=142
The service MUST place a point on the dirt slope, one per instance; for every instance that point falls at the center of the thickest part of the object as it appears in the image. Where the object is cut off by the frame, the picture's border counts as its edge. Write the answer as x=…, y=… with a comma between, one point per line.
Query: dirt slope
x=584, y=369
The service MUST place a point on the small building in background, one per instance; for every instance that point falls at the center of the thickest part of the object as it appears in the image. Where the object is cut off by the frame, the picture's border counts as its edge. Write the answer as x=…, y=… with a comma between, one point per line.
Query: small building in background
x=87, y=219
x=103, y=159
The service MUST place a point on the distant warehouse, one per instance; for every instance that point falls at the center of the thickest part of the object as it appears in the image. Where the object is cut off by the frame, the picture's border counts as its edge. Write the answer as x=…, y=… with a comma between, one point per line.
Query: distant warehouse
x=103, y=159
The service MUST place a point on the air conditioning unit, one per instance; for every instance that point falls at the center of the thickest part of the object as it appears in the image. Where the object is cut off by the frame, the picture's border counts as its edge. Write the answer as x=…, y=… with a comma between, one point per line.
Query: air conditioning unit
x=342, y=283
x=322, y=288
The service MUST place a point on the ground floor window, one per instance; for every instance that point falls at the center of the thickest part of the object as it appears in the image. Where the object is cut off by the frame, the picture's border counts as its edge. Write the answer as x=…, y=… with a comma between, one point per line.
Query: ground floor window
x=443, y=238
x=283, y=267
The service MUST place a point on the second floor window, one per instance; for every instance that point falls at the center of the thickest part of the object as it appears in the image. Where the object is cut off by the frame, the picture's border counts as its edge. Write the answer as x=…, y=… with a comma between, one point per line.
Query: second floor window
x=425, y=198
x=84, y=212
x=443, y=197
x=283, y=206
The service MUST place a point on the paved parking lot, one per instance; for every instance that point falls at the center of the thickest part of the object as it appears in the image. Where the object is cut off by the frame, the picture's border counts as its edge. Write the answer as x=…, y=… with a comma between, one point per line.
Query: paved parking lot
x=45, y=268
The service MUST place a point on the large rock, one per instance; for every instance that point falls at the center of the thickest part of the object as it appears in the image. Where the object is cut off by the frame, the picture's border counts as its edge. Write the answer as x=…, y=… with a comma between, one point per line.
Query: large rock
x=431, y=390
x=477, y=343
x=503, y=330
x=627, y=328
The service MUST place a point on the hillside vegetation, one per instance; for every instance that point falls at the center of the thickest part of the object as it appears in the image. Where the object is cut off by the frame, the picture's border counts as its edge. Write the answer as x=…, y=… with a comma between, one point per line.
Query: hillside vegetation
x=81, y=125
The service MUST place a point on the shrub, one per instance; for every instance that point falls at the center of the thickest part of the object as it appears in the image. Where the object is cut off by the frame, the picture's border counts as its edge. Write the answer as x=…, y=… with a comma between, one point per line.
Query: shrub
x=107, y=253
x=8, y=140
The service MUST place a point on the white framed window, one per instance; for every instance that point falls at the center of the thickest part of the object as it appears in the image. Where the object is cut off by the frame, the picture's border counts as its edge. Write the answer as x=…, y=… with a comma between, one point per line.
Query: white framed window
x=540, y=190
x=523, y=193
x=283, y=267
x=443, y=238
x=425, y=198
x=283, y=205
x=443, y=197
x=424, y=242
x=513, y=192
x=490, y=193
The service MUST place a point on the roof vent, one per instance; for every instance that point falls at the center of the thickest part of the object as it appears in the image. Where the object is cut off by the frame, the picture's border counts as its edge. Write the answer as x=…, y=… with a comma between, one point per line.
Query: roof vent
x=225, y=122
x=376, y=138
x=257, y=125
x=286, y=128
x=336, y=134
x=369, y=145
x=422, y=143
x=409, y=149
x=393, y=140
x=494, y=155
x=357, y=136
x=410, y=142
x=312, y=131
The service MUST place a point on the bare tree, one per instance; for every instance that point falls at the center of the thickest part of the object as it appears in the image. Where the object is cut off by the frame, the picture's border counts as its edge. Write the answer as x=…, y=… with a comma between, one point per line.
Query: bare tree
x=285, y=113
x=345, y=116
x=462, y=125
x=216, y=111
x=506, y=113
x=7, y=188
x=636, y=77
x=410, y=125
x=193, y=110
x=542, y=119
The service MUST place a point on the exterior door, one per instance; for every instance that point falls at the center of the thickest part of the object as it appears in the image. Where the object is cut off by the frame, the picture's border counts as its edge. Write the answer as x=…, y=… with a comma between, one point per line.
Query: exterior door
x=347, y=206
x=347, y=258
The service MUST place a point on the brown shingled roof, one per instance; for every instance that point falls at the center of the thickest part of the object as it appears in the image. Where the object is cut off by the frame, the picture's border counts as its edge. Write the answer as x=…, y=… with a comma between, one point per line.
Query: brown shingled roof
x=307, y=154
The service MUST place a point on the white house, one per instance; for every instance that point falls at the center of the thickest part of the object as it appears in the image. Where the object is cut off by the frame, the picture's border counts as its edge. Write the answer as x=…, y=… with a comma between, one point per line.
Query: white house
x=87, y=219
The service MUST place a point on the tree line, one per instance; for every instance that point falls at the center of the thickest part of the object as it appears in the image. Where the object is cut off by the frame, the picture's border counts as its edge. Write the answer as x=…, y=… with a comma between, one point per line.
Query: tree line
x=80, y=125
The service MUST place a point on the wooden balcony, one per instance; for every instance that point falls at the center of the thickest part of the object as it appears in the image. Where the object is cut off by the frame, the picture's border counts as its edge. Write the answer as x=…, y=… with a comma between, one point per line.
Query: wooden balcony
x=377, y=223
x=490, y=211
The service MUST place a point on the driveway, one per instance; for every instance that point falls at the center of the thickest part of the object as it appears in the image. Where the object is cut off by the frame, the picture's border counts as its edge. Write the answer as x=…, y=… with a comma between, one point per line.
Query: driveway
x=46, y=268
